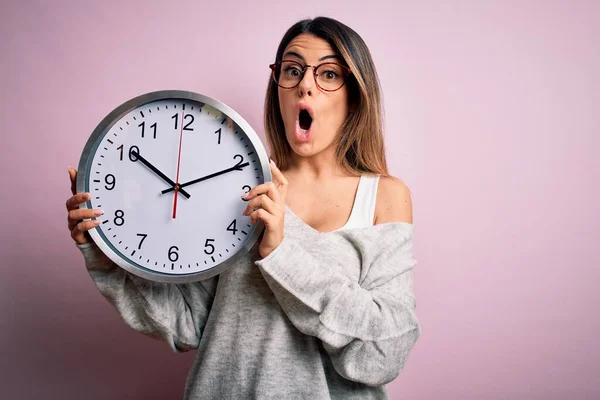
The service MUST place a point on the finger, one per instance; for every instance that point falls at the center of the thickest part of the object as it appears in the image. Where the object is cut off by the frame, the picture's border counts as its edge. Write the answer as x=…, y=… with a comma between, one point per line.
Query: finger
x=76, y=200
x=78, y=232
x=73, y=223
x=268, y=188
x=84, y=213
x=263, y=201
x=84, y=226
x=263, y=216
x=73, y=176
x=78, y=215
x=279, y=178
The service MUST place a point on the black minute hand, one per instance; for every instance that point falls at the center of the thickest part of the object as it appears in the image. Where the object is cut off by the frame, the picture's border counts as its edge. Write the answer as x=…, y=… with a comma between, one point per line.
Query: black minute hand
x=237, y=167
x=157, y=172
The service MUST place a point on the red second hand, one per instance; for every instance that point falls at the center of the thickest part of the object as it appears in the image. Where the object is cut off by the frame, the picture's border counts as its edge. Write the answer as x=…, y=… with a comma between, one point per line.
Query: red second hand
x=177, y=177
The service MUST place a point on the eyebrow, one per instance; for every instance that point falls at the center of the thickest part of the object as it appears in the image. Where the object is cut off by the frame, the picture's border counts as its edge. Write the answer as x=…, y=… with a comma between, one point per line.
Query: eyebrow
x=294, y=54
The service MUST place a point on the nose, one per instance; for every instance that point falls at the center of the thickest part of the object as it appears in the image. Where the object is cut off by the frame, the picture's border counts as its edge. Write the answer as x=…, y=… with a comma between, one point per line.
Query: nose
x=307, y=84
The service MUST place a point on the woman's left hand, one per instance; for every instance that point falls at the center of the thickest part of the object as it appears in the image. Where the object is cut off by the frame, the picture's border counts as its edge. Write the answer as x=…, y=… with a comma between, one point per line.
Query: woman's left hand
x=267, y=204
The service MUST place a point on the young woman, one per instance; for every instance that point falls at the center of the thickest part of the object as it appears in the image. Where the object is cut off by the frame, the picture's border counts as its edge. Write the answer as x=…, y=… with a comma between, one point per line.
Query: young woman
x=323, y=306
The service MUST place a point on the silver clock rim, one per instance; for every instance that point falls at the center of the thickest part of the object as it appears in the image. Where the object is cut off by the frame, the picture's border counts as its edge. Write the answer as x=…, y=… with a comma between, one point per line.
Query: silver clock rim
x=106, y=124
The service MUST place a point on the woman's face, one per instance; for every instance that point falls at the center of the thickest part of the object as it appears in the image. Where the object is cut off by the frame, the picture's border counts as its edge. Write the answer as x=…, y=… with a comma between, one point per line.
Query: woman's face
x=311, y=134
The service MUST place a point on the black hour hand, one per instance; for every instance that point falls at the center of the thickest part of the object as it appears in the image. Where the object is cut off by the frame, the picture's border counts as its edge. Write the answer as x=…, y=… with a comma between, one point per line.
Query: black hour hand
x=160, y=174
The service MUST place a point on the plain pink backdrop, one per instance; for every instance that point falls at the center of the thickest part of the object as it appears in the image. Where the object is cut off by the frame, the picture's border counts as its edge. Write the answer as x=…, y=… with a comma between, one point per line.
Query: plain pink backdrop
x=492, y=120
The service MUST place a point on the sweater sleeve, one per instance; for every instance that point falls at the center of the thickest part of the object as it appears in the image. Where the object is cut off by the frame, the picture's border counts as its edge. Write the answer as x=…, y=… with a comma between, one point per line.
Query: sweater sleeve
x=173, y=313
x=367, y=324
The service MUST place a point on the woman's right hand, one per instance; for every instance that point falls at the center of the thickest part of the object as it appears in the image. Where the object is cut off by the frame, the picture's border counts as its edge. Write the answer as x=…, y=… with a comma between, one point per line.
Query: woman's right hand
x=75, y=217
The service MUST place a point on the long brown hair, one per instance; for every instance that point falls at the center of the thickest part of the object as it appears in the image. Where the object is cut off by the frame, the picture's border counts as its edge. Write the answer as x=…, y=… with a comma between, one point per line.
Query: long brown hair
x=360, y=148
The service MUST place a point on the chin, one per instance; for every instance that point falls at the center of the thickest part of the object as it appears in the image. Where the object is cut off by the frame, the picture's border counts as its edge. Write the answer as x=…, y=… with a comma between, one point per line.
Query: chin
x=307, y=149
x=302, y=149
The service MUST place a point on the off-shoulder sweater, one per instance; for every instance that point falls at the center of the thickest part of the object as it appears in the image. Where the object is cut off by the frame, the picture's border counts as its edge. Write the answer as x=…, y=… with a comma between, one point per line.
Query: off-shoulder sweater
x=324, y=316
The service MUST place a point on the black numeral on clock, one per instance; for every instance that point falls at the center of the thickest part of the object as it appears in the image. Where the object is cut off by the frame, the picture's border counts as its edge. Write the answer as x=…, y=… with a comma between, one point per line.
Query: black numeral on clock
x=187, y=126
x=247, y=191
x=119, y=218
x=143, y=235
x=239, y=162
x=232, y=226
x=143, y=126
x=207, y=244
x=132, y=150
x=110, y=181
x=173, y=255
x=219, y=132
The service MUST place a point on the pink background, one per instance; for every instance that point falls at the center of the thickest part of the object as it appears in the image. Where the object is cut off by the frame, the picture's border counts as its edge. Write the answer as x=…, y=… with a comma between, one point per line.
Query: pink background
x=492, y=121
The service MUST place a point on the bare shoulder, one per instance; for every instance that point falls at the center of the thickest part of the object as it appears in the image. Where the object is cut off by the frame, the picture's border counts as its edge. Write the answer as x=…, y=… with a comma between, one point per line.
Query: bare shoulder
x=394, y=203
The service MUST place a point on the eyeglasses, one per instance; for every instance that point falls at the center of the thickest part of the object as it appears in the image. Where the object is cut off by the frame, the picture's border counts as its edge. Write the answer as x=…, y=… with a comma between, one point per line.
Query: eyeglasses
x=328, y=76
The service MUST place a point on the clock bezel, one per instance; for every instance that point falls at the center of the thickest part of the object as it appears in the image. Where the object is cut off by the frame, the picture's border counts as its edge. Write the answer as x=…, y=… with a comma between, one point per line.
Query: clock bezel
x=104, y=127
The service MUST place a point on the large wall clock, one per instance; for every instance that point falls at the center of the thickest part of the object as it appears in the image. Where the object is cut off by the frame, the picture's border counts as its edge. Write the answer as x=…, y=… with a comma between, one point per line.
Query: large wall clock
x=168, y=169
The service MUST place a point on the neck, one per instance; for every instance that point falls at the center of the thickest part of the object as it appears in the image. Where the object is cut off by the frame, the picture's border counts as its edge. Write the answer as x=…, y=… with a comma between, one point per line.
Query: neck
x=318, y=167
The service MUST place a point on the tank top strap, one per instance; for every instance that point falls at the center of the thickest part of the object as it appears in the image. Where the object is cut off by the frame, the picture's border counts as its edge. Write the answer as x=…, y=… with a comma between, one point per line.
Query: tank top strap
x=363, y=210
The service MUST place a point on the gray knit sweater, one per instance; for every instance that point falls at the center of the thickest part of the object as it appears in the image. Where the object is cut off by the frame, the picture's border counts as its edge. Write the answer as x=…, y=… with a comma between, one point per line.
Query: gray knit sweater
x=324, y=316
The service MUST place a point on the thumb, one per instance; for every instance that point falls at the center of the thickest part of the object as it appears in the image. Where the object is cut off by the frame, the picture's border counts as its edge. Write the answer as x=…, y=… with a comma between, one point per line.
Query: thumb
x=73, y=176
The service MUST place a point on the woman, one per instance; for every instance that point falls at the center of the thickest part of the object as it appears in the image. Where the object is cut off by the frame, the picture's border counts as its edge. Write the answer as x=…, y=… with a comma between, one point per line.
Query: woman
x=323, y=306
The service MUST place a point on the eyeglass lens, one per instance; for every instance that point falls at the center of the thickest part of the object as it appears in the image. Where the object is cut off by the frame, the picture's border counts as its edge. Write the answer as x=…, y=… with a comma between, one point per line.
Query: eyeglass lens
x=330, y=76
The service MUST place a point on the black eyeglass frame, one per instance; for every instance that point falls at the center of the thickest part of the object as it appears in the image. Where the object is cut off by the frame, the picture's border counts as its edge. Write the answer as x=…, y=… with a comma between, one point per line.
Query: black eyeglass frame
x=275, y=66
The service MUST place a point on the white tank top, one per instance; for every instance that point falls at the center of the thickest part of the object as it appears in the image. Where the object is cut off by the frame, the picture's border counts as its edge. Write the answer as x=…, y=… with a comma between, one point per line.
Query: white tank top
x=363, y=210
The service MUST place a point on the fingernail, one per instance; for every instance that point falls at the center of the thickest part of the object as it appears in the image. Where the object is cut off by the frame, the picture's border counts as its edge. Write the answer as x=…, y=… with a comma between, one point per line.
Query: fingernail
x=96, y=222
x=273, y=162
x=98, y=212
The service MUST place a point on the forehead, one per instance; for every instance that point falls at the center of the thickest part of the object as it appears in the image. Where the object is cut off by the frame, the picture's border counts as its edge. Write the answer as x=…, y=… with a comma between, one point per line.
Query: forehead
x=309, y=46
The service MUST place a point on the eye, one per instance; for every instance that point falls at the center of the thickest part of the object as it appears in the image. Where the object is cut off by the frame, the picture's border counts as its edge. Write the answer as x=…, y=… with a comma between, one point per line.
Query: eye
x=330, y=75
x=330, y=72
x=291, y=71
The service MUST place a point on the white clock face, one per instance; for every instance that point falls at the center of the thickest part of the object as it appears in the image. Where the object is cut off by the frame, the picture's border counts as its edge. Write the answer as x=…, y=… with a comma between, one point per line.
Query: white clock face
x=132, y=169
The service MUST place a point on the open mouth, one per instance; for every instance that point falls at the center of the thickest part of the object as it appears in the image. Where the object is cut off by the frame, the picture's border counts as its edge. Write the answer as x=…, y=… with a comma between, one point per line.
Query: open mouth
x=305, y=120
